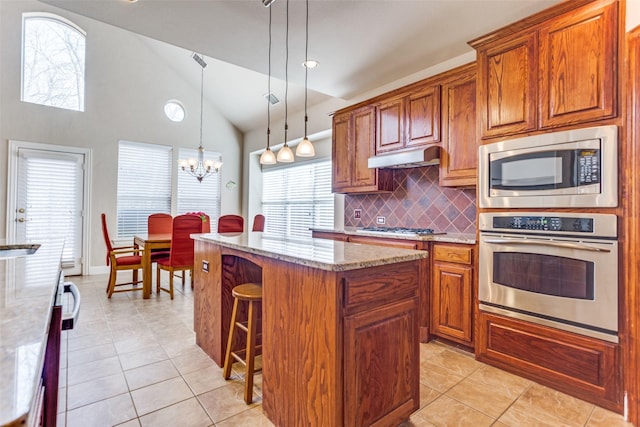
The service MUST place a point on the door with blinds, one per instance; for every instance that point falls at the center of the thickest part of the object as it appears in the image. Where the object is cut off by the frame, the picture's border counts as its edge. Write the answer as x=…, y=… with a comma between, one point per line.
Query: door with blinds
x=47, y=197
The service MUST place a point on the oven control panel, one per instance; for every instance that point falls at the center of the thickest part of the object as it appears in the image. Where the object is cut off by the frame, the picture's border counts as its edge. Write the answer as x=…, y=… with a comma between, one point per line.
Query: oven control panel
x=544, y=223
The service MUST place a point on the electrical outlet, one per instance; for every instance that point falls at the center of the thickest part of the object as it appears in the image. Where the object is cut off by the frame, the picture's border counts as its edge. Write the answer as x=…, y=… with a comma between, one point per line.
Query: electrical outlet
x=380, y=220
x=357, y=213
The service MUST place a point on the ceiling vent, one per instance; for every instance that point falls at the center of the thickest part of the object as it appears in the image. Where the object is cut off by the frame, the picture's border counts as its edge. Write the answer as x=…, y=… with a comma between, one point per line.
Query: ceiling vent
x=272, y=98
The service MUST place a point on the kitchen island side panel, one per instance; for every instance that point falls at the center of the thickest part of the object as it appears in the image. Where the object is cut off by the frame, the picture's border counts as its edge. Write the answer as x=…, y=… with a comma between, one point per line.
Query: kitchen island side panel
x=302, y=345
x=207, y=301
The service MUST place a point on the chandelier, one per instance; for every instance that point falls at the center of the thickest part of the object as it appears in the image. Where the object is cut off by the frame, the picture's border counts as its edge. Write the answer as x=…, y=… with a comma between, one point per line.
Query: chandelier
x=200, y=168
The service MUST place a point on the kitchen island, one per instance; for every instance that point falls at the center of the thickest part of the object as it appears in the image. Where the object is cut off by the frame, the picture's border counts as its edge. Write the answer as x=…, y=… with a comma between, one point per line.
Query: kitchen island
x=339, y=325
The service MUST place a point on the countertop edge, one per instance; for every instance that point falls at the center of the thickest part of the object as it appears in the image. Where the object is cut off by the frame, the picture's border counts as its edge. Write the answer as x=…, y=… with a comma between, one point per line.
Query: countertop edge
x=462, y=238
x=398, y=256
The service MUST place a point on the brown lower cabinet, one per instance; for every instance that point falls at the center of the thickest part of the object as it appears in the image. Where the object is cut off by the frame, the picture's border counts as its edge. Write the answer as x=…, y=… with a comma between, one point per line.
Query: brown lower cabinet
x=452, y=292
x=423, y=275
x=580, y=366
x=446, y=294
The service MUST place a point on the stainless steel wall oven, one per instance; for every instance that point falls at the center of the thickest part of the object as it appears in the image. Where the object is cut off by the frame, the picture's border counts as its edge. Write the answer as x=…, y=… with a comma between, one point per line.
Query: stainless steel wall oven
x=555, y=269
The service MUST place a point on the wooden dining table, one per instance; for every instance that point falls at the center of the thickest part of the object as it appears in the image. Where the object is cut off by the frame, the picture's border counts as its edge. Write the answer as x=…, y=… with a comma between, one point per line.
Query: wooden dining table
x=150, y=242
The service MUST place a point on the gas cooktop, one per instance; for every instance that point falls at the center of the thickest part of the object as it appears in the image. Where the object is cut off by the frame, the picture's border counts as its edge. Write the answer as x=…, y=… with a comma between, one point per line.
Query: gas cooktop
x=403, y=231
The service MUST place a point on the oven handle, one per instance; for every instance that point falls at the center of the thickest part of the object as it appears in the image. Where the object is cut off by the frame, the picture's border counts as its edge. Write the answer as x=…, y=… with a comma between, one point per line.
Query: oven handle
x=568, y=245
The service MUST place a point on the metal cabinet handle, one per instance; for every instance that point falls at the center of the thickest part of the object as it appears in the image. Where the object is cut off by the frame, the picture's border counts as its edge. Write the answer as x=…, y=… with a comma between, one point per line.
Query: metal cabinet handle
x=568, y=245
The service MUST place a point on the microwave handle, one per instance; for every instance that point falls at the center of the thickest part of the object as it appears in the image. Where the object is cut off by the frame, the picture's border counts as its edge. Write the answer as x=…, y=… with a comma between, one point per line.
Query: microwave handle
x=568, y=245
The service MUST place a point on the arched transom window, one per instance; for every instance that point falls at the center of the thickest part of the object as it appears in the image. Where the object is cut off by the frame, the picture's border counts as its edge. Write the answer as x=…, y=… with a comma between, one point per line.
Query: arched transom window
x=53, y=61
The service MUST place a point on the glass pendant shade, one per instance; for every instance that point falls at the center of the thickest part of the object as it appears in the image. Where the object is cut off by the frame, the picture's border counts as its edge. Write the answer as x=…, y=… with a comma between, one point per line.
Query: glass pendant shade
x=305, y=148
x=267, y=157
x=285, y=155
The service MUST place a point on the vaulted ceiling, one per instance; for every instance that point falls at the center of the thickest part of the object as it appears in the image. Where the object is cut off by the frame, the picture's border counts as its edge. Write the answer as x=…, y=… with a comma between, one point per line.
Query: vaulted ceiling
x=360, y=44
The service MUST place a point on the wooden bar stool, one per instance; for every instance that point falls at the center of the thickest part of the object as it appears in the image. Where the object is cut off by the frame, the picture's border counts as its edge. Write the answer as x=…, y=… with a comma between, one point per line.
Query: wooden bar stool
x=252, y=293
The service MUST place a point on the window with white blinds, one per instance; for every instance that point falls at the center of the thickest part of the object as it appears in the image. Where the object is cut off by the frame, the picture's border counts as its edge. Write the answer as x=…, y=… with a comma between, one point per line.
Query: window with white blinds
x=297, y=198
x=144, y=185
x=194, y=196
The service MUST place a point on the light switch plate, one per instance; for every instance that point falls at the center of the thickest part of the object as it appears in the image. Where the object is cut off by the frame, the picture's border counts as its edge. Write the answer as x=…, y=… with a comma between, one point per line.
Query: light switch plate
x=205, y=266
x=380, y=220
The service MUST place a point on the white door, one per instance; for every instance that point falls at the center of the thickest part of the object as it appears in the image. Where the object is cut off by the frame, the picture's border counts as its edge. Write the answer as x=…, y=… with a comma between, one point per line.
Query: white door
x=48, y=198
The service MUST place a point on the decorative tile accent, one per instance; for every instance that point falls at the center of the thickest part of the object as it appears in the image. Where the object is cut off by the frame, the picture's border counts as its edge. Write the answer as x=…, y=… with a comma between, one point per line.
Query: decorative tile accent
x=418, y=201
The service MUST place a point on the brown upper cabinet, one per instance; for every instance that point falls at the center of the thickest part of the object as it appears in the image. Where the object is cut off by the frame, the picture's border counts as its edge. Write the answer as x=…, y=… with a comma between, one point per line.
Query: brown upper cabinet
x=557, y=69
x=409, y=119
x=353, y=144
x=459, y=153
x=440, y=110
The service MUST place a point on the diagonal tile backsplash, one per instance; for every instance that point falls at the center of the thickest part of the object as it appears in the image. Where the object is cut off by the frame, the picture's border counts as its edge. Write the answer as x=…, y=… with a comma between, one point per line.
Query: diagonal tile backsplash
x=418, y=201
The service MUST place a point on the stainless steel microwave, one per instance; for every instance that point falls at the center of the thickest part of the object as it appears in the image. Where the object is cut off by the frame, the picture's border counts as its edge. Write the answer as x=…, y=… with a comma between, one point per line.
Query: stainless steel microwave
x=575, y=168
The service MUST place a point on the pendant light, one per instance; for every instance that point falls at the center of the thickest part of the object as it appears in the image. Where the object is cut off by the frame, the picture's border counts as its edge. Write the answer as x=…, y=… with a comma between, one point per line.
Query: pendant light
x=267, y=157
x=305, y=148
x=200, y=168
x=285, y=154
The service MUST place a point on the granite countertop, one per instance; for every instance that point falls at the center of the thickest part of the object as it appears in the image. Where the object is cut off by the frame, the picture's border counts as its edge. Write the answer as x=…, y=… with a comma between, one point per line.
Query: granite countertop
x=464, y=238
x=27, y=291
x=323, y=254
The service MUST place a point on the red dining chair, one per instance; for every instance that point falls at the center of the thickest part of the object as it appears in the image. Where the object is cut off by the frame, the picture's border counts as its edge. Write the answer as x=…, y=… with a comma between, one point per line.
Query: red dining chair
x=159, y=223
x=206, y=221
x=121, y=258
x=230, y=224
x=258, y=223
x=181, y=253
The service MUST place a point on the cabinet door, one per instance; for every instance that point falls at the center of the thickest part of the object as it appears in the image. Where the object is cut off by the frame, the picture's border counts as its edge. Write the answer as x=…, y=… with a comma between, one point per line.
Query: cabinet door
x=364, y=131
x=578, y=53
x=340, y=153
x=390, y=115
x=451, y=301
x=507, y=77
x=381, y=347
x=459, y=155
x=423, y=116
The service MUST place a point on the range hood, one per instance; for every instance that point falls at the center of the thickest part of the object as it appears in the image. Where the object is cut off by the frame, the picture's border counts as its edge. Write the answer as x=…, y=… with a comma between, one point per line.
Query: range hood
x=407, y=159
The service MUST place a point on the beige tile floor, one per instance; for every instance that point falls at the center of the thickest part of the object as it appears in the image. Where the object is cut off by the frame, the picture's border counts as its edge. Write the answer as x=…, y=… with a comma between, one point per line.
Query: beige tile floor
x=134, y=362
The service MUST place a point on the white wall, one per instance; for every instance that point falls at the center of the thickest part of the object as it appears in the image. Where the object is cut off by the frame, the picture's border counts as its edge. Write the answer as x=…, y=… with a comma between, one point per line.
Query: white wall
x=127, y=84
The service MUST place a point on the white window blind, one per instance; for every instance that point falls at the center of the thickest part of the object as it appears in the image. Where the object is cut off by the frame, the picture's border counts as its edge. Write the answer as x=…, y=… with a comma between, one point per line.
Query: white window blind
x=194, y=196
x=295, y=199
x=53, y=61
x=144, y=185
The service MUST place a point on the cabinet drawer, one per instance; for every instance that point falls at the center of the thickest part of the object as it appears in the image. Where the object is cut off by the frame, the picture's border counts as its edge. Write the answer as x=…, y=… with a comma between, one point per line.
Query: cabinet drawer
x=379, y=285
x=457, y=254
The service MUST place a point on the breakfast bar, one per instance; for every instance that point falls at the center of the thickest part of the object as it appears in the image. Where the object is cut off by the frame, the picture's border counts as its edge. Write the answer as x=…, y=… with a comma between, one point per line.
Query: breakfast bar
x=339, y=324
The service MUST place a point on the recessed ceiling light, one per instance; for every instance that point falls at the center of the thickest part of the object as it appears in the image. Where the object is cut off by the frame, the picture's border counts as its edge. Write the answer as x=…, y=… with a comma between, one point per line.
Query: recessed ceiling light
x=132, y=1
x=311, y=63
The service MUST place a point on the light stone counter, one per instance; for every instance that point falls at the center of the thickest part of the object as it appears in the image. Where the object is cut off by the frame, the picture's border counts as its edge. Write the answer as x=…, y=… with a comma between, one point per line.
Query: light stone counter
x=318, y=253
x=464, y=238
x=27, y=291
